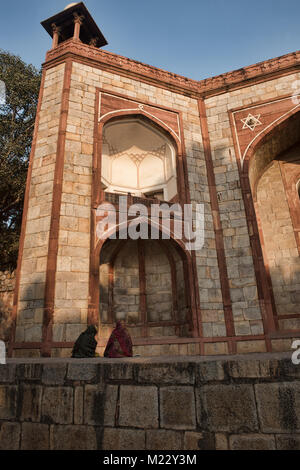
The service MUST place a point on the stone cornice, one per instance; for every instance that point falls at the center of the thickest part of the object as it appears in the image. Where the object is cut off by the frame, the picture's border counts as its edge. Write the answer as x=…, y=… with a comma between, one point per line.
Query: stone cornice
x=262, y=71
x=240, y=78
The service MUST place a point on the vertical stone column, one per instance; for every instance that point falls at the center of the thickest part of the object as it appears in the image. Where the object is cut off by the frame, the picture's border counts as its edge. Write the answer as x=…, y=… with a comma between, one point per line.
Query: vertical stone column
x=56, y=32
x=55, y=217
x=77, y=23
x=34, y=244
x=71, y=295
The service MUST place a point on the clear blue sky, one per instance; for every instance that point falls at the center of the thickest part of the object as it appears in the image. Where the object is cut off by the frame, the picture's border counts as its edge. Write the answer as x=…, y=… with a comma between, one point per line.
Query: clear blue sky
x=195, y=38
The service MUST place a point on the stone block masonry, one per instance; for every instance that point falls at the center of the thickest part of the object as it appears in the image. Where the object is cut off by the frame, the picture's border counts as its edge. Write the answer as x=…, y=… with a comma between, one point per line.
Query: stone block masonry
x=180, y=403
x=226, y=297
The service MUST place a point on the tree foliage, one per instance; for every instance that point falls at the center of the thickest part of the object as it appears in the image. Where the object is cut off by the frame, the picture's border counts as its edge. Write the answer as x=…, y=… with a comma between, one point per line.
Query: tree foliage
x=17, y=116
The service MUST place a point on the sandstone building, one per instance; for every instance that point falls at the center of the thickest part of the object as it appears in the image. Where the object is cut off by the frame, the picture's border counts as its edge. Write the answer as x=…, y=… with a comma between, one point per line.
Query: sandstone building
x=107, y=125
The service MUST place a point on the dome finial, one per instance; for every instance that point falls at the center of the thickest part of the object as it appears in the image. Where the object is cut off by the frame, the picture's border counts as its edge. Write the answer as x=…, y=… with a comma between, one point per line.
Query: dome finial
x=70, y=5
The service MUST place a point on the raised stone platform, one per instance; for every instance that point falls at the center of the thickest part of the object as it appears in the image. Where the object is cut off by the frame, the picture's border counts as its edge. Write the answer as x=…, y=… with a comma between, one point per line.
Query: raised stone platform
x=172, y=403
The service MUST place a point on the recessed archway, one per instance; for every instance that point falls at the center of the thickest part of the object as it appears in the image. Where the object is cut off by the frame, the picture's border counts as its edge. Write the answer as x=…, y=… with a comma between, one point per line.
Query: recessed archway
x=145, y=283
x=177, y=314
x=139, y=159
x=273, y=168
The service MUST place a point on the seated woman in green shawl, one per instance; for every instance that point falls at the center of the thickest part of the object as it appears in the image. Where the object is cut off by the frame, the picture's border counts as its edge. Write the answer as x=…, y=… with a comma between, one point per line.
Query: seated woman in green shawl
x=85, y=345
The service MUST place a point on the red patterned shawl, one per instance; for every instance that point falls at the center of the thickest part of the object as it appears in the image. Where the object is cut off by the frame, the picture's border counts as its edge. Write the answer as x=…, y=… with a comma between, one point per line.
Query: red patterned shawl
x=119, y=343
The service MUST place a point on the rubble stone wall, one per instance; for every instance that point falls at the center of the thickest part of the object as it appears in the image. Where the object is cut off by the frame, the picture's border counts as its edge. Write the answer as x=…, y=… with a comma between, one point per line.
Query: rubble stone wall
x=7, y=285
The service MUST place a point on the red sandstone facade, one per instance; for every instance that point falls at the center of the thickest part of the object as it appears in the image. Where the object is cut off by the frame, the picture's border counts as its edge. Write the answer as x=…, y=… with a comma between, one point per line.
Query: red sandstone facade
x=235, y=139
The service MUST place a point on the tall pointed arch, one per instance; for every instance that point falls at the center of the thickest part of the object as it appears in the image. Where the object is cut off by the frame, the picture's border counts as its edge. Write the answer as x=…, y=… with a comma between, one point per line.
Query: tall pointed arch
x=266, y=158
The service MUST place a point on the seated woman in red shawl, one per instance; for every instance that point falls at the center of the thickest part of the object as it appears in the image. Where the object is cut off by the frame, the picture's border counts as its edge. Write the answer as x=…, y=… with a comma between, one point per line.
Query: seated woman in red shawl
x=119, y=343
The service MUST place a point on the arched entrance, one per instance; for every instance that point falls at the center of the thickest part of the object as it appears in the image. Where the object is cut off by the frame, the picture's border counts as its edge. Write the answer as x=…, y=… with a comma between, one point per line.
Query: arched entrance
x=273, y=169
x=145, y=283
x=151, y=283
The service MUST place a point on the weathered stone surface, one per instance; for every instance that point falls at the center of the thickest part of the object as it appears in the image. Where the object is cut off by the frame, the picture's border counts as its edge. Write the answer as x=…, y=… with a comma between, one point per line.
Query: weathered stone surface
x=177, y=408
x=123, y=439
x=10, y=436
x=84, y=372
x=78, y=405
x=288, y=442
x=30, y=371
x=278, y=406
x=169, y=373
x=119, y=372
x=73, y=438
x=8, y=396
x=73, y=332
x=34, y=436
x=279, y=345
x=227, y=414
x=199, y=441
x=214, y=349
x=30, y=400
x=54, y=374
x=246, y=347
x=7, y=373
x=277, y=228
x=221, y=441
x=163, y=440
x=252, y=442
x=100, y=405
x=286, y=368
x=210, y=371
x=33, y=334
x=138, y=407
x=249, y=369
x=227, y=408
x=28, y=353
x=57, y=405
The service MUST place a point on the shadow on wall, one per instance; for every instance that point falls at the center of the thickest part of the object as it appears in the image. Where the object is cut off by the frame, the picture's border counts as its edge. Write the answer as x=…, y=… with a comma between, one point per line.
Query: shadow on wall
x=286, y=289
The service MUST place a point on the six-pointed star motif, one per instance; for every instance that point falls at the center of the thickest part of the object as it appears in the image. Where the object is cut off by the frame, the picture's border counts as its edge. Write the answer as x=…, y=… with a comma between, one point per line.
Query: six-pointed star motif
x=251, y=121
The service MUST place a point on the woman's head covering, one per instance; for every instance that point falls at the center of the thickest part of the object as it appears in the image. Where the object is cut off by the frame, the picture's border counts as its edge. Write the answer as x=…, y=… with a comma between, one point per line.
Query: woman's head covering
x=85, y=346
x=119, y=343
x=91, y=330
